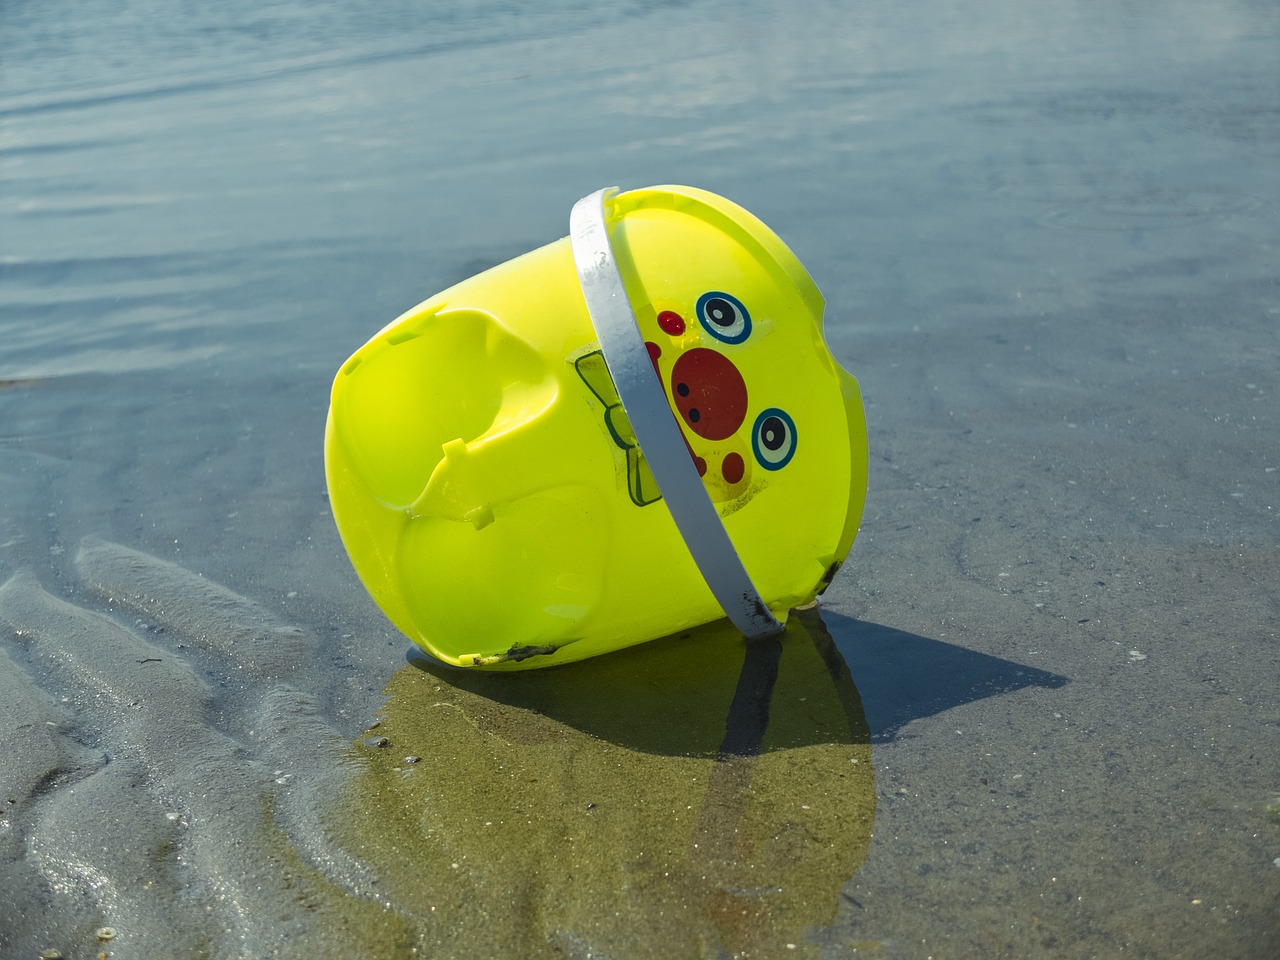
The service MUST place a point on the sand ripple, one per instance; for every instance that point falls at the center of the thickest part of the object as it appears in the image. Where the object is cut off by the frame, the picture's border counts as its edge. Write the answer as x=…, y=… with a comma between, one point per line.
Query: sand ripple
x=136, y=799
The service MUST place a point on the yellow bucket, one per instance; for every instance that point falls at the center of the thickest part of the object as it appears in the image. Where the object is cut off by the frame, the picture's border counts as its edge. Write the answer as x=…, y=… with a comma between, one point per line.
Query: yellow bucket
x=628, y=432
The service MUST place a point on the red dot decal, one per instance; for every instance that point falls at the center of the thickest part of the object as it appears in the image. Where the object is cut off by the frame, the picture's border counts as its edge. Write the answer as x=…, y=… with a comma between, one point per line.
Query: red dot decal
x=671, y=323
x=733, y=468
x=698, y=462
x=655, y=352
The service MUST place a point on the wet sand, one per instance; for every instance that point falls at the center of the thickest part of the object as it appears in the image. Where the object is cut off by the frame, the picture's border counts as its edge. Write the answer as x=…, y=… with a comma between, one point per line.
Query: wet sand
x=1048, y=245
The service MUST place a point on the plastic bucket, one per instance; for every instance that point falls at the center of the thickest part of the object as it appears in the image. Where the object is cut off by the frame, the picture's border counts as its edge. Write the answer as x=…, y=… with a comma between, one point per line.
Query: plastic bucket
x=628, y=432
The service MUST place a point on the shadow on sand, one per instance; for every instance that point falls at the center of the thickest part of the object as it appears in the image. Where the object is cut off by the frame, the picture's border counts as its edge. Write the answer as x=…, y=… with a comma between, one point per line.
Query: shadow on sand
x=903, y=676
x=698, y=795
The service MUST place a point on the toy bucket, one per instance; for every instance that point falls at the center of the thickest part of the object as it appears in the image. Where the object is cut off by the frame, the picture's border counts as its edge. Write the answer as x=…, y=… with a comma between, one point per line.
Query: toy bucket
x=628, y=432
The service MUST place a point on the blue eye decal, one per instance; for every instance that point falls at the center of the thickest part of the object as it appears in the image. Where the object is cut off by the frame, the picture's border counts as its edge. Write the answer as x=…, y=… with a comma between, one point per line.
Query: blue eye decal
x=724, y=317
x=773, y=439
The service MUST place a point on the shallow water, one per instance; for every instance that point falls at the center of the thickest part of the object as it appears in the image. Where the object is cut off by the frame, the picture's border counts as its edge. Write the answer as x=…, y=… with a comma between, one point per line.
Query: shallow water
x=1048, y=238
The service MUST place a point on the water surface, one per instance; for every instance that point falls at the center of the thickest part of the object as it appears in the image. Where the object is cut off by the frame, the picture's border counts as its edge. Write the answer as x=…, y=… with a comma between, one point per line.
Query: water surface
x=1048, y=237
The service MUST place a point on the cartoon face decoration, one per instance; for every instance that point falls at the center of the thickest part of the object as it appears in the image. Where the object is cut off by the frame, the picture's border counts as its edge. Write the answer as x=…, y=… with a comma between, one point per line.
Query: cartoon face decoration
x=708, y=394
x=712, y=398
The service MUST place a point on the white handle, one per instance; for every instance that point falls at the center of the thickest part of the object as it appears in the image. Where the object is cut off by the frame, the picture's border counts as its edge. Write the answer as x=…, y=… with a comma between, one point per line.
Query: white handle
x=657, y=431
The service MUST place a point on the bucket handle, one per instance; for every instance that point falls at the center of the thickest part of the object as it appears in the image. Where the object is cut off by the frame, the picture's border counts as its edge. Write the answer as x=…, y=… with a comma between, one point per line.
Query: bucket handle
x=655, y=427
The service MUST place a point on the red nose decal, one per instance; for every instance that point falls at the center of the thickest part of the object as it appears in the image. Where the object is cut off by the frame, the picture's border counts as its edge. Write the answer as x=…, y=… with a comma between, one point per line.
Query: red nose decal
x=709, y=393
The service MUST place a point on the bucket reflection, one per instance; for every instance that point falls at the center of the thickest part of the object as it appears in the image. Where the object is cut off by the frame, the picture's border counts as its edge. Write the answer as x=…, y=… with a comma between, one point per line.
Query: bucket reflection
x=699, y=795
